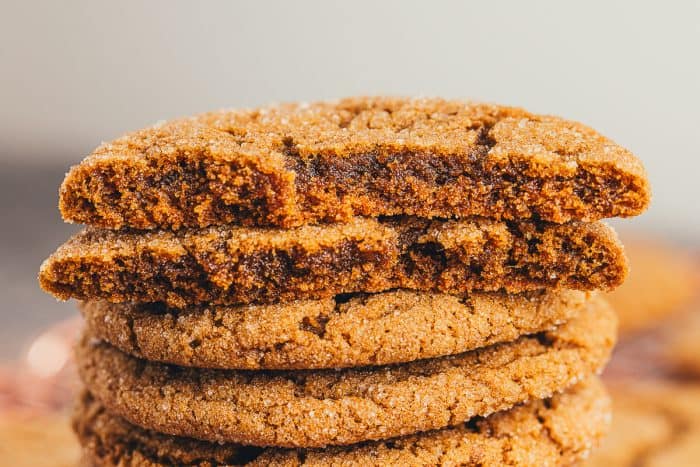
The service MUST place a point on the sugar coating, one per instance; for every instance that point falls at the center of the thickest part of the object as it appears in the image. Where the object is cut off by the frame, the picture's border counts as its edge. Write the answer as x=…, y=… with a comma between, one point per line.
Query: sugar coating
x=237, y=265
x=329, y=161
x=357, y=330
x=560, y=430
x=335, y=407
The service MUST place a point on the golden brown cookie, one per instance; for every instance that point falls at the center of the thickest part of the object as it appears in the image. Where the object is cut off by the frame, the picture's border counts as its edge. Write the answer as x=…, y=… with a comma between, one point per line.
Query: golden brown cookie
x=345, y=331
x=320, y=407
x=556, y=431
x=655, y=424
x=230, y=265
x=329, y=161
x=662, y=279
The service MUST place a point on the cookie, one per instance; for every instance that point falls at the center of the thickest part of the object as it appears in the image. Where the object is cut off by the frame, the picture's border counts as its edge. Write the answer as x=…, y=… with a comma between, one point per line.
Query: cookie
x=321, y=407
x=654, y=424
x=662, y=280
x=345, y=331
x=327, y=162
x=556, y=431
x=230, y=265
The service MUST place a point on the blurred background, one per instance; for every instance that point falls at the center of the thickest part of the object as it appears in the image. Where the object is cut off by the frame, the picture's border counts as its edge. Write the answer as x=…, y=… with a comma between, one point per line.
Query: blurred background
x=77, y=73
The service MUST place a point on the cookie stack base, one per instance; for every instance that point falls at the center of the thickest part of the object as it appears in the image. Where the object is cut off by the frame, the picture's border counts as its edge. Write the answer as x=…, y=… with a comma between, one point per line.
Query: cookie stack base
x=554, y=431
x=329, y=407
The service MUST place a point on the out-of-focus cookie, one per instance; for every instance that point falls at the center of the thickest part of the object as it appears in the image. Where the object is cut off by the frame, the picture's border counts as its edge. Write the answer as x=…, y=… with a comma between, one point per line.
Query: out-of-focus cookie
x=661, y=281
x=681, y=350
x=28, y=438
x=655, y=424
x=316, y=408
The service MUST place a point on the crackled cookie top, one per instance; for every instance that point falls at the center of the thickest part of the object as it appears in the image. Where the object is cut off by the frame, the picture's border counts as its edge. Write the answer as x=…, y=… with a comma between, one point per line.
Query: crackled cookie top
x=557, y=431
x=344, y=331
x=329, y=161
x=234, y=265
x=320, y=407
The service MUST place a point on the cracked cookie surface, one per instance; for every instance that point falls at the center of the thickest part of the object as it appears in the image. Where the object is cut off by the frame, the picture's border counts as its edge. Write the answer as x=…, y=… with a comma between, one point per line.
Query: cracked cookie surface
x=344, y=331
x=324, y=407
x=557, y=431
x=329, y=161
x=236, y=265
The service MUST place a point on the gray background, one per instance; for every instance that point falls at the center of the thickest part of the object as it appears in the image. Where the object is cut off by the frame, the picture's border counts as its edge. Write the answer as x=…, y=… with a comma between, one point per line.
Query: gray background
x=79, y=72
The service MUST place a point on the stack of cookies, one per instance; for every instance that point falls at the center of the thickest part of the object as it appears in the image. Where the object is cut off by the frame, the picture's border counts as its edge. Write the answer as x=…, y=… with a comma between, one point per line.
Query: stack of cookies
x=371, y=281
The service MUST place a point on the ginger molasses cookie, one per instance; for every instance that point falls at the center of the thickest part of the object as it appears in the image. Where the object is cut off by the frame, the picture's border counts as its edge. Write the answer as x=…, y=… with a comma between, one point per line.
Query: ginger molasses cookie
x=556, y=431
x=344, y=331
x=316, y=408
x=294, y=164
x=235, y=265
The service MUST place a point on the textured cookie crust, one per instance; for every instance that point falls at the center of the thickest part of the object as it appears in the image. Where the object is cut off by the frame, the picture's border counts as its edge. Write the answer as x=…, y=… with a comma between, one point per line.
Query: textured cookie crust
x=322, y=407
x=655, y=424
x=346, y=331
x=229, y=265
x=295, y=164
x=557, y=431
